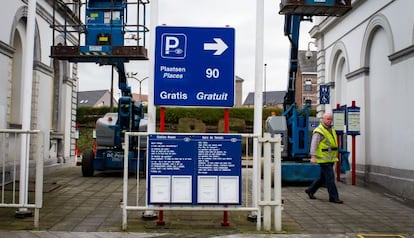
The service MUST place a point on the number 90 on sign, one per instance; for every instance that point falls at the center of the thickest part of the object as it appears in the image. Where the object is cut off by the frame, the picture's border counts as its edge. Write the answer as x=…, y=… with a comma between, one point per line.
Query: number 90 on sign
x=212, y=73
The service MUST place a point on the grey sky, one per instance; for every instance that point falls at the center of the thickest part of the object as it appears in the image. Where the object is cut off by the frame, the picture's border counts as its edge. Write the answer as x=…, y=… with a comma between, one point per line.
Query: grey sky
x=239, y=14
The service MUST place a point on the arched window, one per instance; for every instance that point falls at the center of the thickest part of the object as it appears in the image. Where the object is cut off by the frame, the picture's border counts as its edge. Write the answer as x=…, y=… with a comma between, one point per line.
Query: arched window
x=15, y=110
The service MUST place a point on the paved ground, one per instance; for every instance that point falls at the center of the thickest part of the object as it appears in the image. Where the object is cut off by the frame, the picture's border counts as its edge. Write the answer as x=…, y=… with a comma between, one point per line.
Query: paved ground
x=75, y=206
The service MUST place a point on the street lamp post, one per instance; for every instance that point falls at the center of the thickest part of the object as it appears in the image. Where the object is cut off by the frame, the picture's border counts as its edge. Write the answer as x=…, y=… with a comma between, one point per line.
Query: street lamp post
x=132, y=75
x=140, y=82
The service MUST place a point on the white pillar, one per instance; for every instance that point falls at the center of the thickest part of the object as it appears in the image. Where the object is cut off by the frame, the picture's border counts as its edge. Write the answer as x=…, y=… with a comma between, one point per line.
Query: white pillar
x=258, y=97
x=27, y=76
x=267, y=185
x=152, y=113
x=277, y=188
x=151, y=107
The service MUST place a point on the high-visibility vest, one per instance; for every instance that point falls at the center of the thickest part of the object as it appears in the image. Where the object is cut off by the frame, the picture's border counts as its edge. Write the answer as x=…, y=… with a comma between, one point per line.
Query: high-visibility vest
x=327, y=150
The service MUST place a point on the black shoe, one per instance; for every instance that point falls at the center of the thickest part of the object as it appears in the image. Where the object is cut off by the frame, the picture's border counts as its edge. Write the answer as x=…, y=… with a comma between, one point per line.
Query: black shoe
x=336, y=201
x=310, y=195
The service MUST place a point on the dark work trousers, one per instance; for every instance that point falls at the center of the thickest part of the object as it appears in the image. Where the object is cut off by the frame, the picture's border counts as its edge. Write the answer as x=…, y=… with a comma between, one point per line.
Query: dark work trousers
x=326, y=177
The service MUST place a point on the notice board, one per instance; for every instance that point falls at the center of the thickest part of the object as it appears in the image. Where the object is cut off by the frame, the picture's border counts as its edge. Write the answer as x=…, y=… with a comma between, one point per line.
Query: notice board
x=202, y=169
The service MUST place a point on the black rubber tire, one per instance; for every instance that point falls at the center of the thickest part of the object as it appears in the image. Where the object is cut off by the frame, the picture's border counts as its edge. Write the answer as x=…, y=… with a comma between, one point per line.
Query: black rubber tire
x=87, y=163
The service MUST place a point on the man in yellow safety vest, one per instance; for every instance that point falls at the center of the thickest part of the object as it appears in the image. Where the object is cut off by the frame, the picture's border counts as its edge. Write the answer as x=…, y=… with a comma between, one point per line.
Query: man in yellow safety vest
x=324, y=151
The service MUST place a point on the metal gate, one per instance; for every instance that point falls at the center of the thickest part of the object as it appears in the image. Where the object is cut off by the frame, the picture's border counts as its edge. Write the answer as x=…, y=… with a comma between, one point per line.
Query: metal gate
x=256, y=193
x=19, y=172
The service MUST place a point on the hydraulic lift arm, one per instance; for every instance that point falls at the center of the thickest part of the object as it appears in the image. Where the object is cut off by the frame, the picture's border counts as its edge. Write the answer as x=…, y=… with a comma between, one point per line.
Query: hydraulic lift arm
x=292, y=27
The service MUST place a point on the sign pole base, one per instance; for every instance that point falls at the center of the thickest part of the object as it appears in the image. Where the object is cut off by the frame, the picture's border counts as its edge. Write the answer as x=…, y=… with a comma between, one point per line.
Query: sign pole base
x=161, y=221
x=225, y=221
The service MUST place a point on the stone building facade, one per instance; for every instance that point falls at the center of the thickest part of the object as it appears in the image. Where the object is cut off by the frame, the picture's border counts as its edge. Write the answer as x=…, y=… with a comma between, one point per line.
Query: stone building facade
x=54, y=83
x=367, y=56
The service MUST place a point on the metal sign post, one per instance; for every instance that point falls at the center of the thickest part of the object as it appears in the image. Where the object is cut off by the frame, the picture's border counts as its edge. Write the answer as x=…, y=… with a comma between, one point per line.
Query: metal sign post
x=353, y=129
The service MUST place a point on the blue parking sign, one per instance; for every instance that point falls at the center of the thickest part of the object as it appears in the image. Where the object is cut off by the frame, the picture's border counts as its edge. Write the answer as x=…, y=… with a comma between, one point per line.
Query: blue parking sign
x=194, y=66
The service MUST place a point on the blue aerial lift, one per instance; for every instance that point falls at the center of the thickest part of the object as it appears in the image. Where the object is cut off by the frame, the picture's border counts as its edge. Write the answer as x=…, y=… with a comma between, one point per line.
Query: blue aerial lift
x=104, y=30
x=294, y=124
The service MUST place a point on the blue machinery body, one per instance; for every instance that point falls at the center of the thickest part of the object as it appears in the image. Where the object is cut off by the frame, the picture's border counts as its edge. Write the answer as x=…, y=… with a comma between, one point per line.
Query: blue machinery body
x=104, y=44
x=295, y=167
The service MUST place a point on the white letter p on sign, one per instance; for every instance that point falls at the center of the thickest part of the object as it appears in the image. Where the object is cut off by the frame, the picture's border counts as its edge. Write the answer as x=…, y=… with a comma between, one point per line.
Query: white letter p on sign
x=171, y=43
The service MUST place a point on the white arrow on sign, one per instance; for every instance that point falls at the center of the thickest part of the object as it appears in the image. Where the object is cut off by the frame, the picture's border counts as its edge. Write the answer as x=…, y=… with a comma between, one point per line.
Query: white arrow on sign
x=219, y=46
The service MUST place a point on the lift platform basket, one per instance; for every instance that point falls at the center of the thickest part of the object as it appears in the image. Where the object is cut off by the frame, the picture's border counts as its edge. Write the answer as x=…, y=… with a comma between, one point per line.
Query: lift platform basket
x=315, y=7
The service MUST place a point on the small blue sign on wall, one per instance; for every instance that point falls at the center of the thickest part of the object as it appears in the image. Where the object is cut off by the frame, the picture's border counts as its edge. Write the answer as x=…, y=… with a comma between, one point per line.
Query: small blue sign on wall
x=353, y=120
x=339, y=119
x=324, y=94
x=194, y=66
